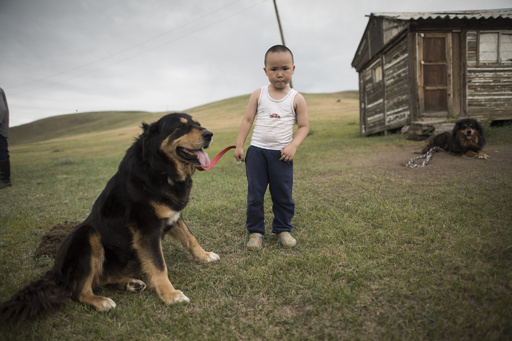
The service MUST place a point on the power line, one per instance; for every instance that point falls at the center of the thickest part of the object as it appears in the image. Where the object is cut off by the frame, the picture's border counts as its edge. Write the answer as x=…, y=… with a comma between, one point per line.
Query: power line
x=134, y=47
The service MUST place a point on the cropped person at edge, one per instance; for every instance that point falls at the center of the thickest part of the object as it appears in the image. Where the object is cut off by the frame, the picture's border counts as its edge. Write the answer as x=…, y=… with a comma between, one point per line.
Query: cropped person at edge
x=5, y=166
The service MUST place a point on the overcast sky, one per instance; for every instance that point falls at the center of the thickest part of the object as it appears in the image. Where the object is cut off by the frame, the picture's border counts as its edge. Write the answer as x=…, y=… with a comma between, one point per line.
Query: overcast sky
x=68, y=56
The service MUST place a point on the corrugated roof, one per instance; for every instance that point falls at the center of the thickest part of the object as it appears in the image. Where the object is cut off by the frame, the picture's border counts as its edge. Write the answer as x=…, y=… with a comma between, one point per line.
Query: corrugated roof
x=473, y=14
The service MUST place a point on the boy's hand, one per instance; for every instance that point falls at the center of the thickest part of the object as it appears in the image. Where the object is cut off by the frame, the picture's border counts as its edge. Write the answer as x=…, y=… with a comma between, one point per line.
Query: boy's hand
x=239, y=154
x=287, y=153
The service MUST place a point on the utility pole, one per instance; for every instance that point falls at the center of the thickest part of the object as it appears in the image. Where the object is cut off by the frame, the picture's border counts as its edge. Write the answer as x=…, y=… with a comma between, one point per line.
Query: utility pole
x=279, y=23
x=281, y=31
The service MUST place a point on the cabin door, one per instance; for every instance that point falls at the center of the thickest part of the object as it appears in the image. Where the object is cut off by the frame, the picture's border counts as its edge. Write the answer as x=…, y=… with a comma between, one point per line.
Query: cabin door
x=434, y=74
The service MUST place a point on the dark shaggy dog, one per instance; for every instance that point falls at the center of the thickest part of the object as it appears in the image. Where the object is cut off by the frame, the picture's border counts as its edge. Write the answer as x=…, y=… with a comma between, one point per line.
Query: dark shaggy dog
x=466, y=138
x=122, y=237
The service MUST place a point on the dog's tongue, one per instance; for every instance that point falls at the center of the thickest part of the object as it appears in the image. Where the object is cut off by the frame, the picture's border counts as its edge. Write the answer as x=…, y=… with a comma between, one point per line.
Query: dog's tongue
x=203, y=158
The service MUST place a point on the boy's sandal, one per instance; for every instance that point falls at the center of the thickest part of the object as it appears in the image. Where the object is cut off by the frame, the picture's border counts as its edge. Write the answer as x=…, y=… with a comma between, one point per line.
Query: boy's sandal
x=286, y=239
x=255, y=242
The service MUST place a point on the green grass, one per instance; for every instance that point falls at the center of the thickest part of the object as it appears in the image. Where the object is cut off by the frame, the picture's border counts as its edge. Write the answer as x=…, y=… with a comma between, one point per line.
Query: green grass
x=384, y=252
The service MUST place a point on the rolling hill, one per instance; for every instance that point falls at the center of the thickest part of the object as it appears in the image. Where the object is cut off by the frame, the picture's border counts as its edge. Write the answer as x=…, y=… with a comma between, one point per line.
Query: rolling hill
x=223, y=114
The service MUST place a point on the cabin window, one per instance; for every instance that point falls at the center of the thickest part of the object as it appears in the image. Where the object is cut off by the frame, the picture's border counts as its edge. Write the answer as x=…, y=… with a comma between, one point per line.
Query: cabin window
x=377, y=74
x=495, y=48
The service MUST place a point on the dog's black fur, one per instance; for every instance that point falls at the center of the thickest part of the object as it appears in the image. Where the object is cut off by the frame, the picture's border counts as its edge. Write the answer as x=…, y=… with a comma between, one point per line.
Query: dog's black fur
x=122, y=236
x=466, y=138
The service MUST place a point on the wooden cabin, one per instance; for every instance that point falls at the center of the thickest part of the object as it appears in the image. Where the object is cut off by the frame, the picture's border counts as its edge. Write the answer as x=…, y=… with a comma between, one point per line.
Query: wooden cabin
x=428, y=68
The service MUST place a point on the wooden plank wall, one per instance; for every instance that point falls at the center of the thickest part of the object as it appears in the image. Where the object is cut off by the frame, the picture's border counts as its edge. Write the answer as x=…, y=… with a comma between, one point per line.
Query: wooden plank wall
x=385, y=104
x=374, y=100
x=396, y=80
x=489, y=87
x=362, y=105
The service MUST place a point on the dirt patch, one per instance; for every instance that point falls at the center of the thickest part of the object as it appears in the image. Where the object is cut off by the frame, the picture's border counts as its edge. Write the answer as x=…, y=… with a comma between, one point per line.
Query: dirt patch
x=52, y=239
x=392, y=162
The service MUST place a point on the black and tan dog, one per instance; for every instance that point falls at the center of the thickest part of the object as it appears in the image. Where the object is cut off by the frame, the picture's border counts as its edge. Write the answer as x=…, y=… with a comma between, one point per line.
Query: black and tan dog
x=466, y=138
x=122, y=237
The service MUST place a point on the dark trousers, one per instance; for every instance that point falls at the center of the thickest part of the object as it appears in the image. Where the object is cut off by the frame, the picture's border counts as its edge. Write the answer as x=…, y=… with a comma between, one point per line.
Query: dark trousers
x=4, y=152
x=264, y=169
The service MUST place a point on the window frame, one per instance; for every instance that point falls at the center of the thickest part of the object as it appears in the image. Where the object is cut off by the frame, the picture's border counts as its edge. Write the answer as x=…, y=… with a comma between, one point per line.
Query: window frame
x=377, y=73
x=499, y=60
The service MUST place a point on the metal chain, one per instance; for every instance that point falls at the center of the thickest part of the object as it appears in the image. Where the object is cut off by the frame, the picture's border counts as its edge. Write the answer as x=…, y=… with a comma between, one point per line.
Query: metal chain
x=427, y=156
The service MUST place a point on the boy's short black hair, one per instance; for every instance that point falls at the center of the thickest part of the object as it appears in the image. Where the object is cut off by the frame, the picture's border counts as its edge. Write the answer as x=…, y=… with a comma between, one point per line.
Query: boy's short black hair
x=277, y=48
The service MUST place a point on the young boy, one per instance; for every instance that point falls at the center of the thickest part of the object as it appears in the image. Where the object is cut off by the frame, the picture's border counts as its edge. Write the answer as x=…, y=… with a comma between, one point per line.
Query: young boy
x=269, y=159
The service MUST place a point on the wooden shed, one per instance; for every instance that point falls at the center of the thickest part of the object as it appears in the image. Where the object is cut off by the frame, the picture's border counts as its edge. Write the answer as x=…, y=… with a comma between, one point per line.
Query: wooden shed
x=426, y=68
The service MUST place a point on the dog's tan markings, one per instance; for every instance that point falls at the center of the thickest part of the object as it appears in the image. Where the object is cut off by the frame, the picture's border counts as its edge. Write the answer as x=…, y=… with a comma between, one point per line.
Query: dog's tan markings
x=158, y=279
x=165, y=146
x=196, y=138
x=193, y=140
x=183, y=169
x=480, y=154
x=131, y=284
x=165, y=212
x=181, y=233
x=195, y=121
x=97, y=258
x=463, y=140
x=126, y=283
x=183, y=120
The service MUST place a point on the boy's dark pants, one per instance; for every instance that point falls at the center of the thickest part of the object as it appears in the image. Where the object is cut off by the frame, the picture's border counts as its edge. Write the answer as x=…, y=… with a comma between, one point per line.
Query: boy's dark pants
x=264, y=169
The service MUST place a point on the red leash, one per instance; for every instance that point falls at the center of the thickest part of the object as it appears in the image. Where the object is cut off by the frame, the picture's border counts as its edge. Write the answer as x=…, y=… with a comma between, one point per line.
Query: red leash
x=215, y=159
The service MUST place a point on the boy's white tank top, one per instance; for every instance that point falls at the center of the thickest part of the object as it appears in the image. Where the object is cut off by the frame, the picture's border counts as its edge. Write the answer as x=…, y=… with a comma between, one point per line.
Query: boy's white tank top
x=274, y=121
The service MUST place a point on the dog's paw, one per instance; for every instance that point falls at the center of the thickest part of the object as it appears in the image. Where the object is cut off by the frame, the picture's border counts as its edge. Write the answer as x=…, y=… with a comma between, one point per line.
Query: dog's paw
x=180, y=297
x=106, y=305
x=135, y=285
x=173, y=296
x=212, y=257
x=206, y=257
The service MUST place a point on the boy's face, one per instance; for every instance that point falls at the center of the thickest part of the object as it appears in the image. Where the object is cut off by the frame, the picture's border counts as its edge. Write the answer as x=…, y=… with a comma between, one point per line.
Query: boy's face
x=279, y=68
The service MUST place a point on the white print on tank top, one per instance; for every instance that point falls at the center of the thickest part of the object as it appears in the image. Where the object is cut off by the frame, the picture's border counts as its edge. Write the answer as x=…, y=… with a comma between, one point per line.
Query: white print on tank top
x=274, y=121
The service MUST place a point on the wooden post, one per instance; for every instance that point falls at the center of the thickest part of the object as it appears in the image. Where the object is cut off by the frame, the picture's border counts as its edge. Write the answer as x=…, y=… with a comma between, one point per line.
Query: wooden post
x=281, y=31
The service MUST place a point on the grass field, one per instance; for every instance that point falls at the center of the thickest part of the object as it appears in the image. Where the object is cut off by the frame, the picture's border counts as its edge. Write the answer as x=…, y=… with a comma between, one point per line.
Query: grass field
x=384, y=252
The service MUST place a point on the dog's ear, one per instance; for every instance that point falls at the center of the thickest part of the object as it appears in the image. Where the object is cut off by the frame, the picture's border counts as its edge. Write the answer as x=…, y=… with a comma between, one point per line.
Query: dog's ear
x=455, y=130
x=148, y=147
x=145, y=127
x=150, y=129
x=478, y=127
